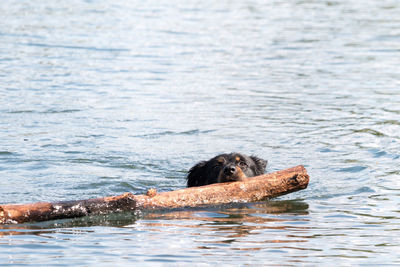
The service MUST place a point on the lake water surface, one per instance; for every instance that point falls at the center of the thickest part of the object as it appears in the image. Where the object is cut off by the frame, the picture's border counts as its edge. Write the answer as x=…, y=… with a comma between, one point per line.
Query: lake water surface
x=98, y=98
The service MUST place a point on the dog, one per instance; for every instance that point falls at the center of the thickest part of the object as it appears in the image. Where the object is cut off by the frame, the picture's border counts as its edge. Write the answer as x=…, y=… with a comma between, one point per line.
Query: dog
x=225, y=168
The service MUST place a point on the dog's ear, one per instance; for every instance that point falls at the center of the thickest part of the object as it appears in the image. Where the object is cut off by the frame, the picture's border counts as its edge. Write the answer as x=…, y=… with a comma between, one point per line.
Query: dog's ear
x=260, y=164
x=197, y=175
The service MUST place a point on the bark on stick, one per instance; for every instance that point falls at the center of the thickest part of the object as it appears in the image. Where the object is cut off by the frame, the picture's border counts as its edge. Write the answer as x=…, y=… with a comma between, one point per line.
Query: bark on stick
x=250, y=190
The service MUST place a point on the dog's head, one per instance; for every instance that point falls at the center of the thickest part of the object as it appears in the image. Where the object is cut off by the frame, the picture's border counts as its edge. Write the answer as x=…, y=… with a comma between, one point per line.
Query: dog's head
x=225, y=168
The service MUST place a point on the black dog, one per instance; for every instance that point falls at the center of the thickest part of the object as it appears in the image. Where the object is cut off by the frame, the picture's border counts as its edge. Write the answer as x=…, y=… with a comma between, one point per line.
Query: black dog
x=225, y=168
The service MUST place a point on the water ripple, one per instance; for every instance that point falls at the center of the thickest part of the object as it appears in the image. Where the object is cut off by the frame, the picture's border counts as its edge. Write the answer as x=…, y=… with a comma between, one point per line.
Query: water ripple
x=50, y=111
x=90, y=48
x=353, y=169
x=370, y=131
x=172, y=133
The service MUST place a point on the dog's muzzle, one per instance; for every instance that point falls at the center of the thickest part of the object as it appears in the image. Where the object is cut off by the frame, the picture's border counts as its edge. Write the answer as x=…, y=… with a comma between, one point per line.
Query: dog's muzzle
x=231, y=173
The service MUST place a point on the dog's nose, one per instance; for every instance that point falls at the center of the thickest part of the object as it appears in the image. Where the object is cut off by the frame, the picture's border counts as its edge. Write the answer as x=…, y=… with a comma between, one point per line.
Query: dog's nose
x=230, y=169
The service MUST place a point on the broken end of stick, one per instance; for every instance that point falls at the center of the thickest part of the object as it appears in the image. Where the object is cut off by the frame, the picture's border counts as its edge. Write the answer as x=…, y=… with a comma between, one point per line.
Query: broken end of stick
x=22, y=212
x=301, y=178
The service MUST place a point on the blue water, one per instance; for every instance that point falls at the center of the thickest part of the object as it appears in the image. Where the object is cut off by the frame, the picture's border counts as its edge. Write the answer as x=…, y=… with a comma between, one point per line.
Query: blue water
x=98, y=98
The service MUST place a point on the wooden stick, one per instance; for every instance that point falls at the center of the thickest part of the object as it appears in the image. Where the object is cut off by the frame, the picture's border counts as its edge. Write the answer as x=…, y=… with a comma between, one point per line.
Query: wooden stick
x=251, y=189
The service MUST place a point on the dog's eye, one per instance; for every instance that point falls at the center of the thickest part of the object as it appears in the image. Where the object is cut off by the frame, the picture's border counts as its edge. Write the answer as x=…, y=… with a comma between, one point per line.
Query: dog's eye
x=218, y=165
x=242, y=164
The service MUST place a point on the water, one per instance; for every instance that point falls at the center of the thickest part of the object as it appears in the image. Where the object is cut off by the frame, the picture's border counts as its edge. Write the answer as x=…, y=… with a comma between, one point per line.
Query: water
x=98, y=98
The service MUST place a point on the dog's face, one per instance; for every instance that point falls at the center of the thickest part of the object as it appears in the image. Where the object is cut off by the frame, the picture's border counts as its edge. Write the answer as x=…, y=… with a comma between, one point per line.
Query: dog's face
x=225, y=168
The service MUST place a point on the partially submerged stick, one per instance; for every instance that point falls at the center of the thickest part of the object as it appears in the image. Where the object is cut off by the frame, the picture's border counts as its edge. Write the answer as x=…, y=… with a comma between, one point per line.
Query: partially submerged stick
x=252, y=189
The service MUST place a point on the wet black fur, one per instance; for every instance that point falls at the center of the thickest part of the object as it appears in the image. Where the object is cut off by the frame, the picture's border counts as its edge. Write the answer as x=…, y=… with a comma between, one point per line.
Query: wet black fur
x=225, y=168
